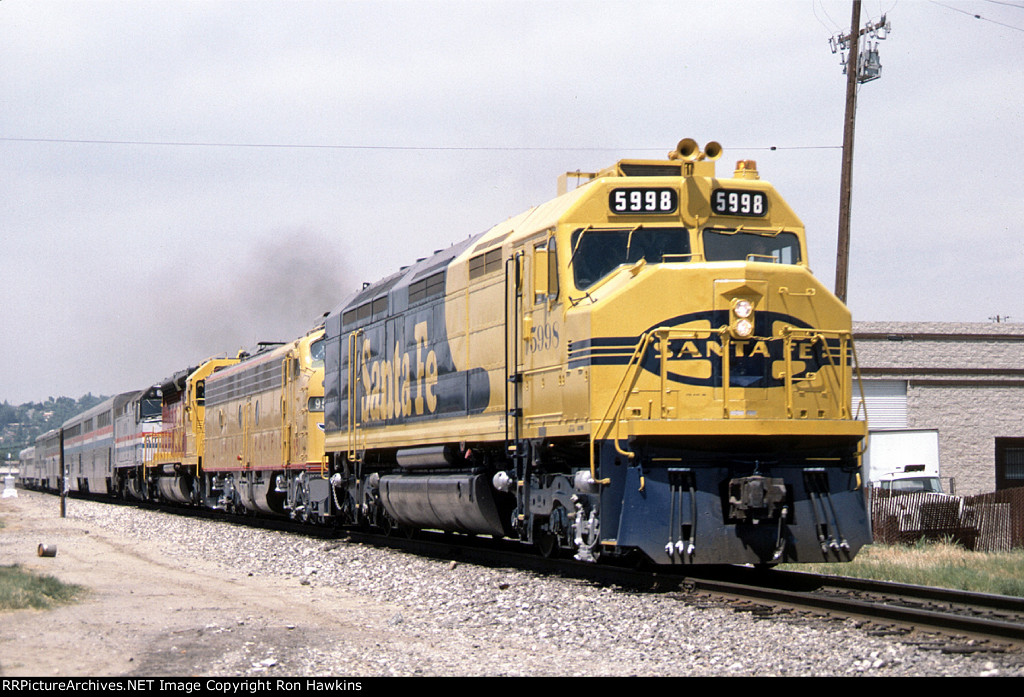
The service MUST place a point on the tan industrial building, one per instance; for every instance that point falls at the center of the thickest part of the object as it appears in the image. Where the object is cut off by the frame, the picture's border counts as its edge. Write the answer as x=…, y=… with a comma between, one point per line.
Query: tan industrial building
x=964, y=380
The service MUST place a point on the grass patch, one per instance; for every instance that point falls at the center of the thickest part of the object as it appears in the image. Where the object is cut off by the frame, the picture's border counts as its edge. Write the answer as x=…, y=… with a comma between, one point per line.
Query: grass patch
x=20, y=589
x=942, y=564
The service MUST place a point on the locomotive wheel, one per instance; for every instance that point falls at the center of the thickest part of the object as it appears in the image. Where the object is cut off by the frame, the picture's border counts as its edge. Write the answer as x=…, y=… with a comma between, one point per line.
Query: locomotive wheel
x=386, y=525
x=548, y=534
x=546, y=543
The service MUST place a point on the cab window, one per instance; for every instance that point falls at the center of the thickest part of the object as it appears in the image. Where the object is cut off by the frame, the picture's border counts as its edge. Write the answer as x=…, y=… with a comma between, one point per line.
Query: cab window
x=735, y=245
x=598, y=252
x=316, y=352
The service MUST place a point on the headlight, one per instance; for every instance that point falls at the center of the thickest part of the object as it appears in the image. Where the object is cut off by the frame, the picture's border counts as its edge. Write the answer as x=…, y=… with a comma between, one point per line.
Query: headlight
x=743, y=308
x=742, y=320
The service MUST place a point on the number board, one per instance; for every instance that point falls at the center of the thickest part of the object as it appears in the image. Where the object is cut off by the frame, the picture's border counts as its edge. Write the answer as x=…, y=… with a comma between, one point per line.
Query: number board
x=737, y=202
x=658, y=201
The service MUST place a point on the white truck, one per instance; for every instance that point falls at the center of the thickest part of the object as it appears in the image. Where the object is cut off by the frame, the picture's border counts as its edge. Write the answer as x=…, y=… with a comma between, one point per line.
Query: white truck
x=903, y=460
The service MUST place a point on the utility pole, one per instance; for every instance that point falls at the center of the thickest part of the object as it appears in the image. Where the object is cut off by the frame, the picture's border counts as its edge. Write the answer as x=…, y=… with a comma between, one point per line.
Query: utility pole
x=858, y=68
x=62, y=479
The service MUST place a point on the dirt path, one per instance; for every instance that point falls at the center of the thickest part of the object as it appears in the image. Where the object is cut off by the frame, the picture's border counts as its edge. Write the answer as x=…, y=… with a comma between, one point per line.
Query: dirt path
x=145, y=614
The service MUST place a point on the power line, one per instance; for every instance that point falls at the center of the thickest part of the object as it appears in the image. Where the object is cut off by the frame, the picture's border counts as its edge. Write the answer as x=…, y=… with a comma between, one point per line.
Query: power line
x=1017, y=5
x=792, y=147
x=328, y=146
x=978, y=16
x=831, y=30
x=200, y=143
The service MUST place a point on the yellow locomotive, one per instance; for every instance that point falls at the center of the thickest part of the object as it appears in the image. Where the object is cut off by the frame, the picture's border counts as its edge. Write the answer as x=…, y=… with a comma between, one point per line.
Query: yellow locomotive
x=174, y=470
x=642, y=364
x=242, y=433
x=264, y=431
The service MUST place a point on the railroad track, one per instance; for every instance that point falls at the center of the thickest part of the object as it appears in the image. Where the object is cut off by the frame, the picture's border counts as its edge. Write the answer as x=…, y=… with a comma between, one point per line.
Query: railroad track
x=949, y=612
x=980, y=615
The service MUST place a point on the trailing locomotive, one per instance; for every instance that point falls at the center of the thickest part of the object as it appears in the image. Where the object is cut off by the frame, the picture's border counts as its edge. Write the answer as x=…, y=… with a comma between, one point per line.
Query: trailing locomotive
x=241, y=434
x=263, y=435
x=643, y=365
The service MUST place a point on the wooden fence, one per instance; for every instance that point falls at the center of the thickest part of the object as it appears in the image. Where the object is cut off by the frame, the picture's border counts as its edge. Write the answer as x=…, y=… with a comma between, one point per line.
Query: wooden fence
x=984, y=523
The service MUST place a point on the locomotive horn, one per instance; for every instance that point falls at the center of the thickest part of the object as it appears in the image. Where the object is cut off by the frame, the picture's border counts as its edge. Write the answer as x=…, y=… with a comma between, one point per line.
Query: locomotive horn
x=712, y=151
x=686, y=150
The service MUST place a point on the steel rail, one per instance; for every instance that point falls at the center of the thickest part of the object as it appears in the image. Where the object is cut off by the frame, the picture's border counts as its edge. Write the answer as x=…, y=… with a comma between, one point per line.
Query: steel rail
x=881, y=610
x=949, y=595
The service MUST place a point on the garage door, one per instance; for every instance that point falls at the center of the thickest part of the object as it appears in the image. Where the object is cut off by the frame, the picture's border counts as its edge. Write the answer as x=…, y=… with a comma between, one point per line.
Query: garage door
x=886, y=403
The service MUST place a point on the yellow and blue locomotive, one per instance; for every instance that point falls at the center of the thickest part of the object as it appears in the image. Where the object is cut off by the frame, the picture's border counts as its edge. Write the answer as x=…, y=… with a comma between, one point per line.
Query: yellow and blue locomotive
x=263, y=434
x=242, y=433
x=644, y=364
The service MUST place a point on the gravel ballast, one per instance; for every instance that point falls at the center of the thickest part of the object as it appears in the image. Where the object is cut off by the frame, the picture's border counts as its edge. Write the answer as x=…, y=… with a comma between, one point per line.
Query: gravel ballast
x=296, y=605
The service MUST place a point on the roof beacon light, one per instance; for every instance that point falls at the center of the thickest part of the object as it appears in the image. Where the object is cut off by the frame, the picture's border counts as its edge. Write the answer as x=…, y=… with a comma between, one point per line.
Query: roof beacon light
x=746, y=169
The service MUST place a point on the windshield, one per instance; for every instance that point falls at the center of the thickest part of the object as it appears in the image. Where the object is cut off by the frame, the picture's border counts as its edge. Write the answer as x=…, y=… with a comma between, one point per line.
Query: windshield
x=316, y=352
x=151, y=408
x=596, y=253
x=924, y=484
x=733, y=245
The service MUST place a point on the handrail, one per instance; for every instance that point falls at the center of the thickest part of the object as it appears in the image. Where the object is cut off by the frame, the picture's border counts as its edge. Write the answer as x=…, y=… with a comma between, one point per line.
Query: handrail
x=633, y=366
x=863, y=400
x=247, y=449
x=821, y=335
x=682, y=258
x=809, y=293
x=286, y=426
x=170, y=445
x=607, y=427
x=353, y=376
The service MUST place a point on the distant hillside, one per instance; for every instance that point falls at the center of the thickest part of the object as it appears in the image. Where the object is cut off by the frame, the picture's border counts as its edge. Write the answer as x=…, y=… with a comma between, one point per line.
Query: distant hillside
x=20, y=425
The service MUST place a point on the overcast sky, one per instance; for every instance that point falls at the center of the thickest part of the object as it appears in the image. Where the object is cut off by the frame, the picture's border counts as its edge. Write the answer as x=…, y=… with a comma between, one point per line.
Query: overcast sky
x=184, y=179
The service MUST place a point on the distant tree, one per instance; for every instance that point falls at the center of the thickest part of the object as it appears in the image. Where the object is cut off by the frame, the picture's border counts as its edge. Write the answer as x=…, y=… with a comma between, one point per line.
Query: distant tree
x=21, y=425
x=8, y=414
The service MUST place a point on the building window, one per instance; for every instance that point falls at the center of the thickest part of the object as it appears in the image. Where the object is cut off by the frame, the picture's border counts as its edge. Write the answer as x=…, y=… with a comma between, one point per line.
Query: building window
x=1009, y=463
